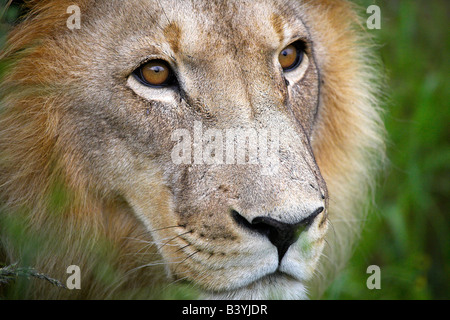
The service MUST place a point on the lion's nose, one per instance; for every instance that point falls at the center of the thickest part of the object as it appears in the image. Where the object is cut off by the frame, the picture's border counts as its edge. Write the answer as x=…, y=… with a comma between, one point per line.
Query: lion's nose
x=281, y=234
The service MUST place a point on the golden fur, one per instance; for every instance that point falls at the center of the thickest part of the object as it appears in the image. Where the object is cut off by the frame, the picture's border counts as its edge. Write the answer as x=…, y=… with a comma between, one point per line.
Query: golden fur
x=64, y=204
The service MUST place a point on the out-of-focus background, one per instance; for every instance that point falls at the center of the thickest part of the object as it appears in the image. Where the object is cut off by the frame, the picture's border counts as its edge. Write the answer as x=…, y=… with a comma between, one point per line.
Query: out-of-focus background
x=407, y=234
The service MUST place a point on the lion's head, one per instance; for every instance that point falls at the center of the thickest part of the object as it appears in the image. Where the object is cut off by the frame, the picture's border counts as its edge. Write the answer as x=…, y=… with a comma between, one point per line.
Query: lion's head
x=220, y=138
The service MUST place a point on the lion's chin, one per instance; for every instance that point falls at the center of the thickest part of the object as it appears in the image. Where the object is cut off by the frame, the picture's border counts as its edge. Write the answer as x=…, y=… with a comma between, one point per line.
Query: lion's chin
x=279, y=286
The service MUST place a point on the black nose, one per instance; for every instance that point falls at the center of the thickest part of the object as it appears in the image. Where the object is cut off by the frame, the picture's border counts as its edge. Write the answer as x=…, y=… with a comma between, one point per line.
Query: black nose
x=281, y=234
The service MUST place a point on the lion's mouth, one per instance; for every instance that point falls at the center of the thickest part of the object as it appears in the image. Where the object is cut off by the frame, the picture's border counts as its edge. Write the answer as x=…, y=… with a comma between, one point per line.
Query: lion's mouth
x=282, y=281
x=276, y=285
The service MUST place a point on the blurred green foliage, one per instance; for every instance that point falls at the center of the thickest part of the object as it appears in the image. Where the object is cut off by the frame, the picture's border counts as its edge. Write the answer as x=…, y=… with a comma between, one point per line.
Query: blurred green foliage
x=407, y=233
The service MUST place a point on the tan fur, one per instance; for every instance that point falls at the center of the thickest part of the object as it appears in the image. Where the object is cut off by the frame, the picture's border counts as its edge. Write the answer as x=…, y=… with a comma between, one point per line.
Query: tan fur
x=85, y=168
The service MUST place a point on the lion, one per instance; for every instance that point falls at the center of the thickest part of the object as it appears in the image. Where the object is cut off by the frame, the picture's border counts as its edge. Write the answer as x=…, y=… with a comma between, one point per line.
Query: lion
x=120, y=143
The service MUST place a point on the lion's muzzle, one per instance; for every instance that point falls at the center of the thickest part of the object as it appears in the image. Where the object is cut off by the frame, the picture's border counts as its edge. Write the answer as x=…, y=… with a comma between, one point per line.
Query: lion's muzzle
x=281, y=234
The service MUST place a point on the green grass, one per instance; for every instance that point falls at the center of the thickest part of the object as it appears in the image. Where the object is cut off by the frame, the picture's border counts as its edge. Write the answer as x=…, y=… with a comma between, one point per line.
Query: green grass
x=407, y=233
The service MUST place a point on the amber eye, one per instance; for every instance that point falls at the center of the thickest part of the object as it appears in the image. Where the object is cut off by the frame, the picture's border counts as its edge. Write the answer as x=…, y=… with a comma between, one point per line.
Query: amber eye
x=291, y=56
x=156, y=73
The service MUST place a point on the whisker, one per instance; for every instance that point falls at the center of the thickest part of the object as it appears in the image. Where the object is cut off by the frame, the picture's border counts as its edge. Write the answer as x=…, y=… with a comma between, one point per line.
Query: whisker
x=328, y=244
x=164, y=228
x=148, y=232
x=183, y=247
x=350, y=220
x=150, y=244
x=155, y=242
x=189, y=256
x=152, y=264
x=182, y=234
x=322, y=254
x=175, y=281
x=330, y=223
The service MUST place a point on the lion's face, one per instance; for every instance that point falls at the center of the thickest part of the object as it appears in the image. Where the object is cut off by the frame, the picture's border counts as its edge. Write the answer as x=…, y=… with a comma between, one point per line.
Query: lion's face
x=194, y=136
x=227, y=221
